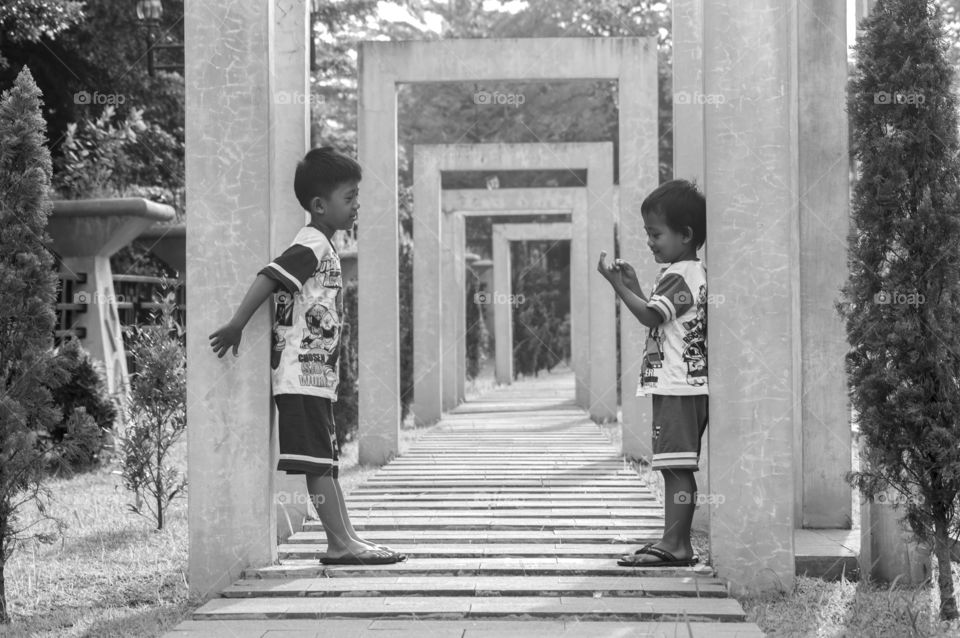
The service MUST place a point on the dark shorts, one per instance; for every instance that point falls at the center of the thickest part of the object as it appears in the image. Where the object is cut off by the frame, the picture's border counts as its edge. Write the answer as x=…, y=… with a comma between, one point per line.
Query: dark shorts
x=308, y=437
x=678, y=424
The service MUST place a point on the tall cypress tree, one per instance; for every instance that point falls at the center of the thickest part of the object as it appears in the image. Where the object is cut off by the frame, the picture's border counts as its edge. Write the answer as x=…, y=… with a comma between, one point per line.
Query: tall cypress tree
x=28, y=286
x=902, y=299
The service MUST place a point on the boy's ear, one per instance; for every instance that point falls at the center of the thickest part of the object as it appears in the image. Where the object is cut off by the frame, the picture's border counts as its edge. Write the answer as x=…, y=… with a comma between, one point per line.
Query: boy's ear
x=687, y=237
x=316, y=205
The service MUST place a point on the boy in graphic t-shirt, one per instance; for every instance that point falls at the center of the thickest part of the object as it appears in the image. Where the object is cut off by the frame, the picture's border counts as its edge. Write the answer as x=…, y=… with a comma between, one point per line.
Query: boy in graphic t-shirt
x=304, y=358
x=674, y=366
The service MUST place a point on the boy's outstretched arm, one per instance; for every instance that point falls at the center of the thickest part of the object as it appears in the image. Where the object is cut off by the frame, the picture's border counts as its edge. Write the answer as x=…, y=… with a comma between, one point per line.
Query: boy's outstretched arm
x=229, y=335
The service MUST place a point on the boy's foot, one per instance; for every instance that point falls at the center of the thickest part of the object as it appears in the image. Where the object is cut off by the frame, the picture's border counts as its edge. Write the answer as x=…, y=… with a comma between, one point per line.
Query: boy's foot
x=368, y=556
x=651, y=556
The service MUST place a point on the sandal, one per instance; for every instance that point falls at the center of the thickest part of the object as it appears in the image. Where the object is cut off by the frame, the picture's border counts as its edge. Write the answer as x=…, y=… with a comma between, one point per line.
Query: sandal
x=666, y=559
x=366, y=557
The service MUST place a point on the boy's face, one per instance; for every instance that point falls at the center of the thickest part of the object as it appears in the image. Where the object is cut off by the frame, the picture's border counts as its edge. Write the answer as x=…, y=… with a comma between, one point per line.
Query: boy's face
x=666, y=244
x=339, y=210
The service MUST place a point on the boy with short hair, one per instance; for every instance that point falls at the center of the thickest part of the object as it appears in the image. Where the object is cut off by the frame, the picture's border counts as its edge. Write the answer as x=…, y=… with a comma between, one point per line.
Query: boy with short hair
x=306, y=346
x=674, y=366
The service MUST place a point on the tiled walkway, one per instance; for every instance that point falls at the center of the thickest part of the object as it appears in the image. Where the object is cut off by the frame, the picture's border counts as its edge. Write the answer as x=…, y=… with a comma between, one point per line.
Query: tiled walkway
x=513, y=511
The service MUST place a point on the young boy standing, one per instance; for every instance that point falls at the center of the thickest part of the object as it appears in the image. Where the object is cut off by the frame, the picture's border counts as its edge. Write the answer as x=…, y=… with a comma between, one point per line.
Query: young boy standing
x=674, y=366
x=306, y=346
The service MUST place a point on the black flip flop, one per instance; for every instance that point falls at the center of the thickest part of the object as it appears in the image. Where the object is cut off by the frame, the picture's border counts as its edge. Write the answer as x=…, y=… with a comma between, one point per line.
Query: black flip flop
x=666, y=559
x=368, y=557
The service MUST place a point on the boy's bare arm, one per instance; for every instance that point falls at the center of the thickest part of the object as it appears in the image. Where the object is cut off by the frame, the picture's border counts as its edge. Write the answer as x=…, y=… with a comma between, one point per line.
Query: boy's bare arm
x=637, y=304
x=228, y=336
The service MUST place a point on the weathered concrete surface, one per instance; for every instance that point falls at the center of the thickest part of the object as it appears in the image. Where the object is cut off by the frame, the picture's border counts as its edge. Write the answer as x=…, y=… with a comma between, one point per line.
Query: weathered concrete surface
x=236, y=161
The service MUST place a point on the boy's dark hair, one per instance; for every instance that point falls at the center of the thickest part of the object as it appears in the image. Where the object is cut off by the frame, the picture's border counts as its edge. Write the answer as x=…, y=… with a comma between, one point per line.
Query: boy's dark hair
x=681, y=204
x=320, y=171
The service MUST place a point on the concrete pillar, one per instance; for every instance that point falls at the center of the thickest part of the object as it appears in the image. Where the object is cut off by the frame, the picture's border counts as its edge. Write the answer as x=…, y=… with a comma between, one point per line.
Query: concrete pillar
x=639, y=174
x=631, y=61
x=823, y=496
x=459, y=273
x=448, y=317
x=288, y=141
x=502, y=323
x=571, y=202
x=503, y=295
x=229, y=179
x=688, y=105
x=428, y=240
x=749, y=60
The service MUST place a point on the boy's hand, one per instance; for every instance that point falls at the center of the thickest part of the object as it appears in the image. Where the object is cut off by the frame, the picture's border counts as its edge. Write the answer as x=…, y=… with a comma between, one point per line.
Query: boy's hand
x=609, y=272
x=627, y=274
x=223, y=339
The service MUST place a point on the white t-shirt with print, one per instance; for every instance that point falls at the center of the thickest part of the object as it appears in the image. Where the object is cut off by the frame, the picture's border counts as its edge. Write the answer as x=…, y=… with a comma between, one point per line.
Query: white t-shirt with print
x=305, y=355
x=675, y=355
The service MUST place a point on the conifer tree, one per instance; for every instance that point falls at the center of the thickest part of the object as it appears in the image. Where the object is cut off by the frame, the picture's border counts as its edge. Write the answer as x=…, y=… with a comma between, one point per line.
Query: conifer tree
x=902, y=298
x=28, y=286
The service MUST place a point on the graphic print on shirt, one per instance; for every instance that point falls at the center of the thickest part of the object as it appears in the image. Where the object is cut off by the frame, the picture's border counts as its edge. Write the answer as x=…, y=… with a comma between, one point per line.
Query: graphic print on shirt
x=652, y=356
x=695, y=350
x=283, y=320
x=318, y=350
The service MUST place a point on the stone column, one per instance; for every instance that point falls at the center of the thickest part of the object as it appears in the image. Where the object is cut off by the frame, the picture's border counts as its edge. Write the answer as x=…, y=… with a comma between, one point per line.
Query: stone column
x=823, y=498
x=502, y=324
x=688, y=108
x=428, y=346
x=289, y=139
x=750, y=182
x=460, y=277
x=639, y=174
x=228, y=108
x=378, y=303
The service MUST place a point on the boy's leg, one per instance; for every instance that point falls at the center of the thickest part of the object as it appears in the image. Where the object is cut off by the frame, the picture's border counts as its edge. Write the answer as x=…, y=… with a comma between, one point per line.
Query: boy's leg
x=342, y=501
x=679, y=503
x=326, y=498
x=679, y=422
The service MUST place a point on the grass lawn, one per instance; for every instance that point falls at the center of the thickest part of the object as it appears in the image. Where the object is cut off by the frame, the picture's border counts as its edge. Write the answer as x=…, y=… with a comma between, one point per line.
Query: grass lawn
x=112, y=574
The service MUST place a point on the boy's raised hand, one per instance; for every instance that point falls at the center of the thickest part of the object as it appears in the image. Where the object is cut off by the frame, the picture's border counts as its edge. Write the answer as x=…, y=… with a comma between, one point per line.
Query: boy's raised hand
x=627, y=273
x=608, y=272
x=224, y=338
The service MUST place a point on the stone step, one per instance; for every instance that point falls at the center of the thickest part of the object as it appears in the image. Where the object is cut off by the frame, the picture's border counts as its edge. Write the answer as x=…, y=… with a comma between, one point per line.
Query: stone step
x=392, y=536
x=462, y=628
x=481, y=523
x=302, y=548
x=482, y=501
x=374, y=511
x=478, y=472
x=603, y=608
x=492, y=566
x=482, y=484
x=478, y=586
x=543, y=492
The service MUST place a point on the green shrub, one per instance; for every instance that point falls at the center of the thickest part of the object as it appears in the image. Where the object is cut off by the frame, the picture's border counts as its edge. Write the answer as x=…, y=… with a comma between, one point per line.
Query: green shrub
x=84, y=390
x=157, y=414
x=477, y=335
x=542, y=305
